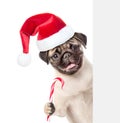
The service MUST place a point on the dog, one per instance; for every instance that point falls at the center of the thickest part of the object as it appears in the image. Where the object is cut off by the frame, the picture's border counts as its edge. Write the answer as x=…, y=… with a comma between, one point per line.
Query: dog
x=75, y=100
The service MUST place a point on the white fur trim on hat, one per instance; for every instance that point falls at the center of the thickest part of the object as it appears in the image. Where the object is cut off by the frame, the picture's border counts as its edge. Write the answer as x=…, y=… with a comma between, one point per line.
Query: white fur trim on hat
x=24, y=59
x=56, y=39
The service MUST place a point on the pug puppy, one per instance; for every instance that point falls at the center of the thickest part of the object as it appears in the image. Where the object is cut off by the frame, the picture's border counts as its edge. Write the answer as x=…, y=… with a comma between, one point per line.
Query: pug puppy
x=75, y=99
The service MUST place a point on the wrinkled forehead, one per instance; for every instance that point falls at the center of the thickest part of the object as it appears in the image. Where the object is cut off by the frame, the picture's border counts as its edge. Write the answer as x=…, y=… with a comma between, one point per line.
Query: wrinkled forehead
x=63, y=46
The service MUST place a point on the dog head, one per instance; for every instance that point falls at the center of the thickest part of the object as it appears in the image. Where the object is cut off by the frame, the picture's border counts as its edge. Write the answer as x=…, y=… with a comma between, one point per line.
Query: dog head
x=66, y=58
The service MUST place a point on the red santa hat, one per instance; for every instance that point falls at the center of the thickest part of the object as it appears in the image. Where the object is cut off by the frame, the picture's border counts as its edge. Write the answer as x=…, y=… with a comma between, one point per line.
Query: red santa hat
x=52, y=31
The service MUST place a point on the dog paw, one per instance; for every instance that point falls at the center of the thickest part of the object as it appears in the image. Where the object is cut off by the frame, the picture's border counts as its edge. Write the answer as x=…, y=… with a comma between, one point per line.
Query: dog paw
x=49, y=108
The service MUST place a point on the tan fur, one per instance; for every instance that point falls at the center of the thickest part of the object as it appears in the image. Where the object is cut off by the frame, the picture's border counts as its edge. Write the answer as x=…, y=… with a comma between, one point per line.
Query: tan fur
x=64, y=46
x=75, y=99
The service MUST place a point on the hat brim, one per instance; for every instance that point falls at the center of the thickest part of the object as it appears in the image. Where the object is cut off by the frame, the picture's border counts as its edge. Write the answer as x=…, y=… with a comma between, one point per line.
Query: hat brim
x=56, y=39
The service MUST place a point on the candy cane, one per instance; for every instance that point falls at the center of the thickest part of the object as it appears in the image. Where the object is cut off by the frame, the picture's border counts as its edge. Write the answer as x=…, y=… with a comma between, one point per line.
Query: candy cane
x=52, y=90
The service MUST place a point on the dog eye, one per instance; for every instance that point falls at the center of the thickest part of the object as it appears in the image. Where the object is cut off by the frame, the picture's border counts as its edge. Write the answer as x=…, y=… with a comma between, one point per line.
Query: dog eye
x=55, y=56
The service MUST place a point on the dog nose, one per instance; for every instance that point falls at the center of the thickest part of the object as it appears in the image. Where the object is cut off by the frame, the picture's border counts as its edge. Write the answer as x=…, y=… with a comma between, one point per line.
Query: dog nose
x=66, y=55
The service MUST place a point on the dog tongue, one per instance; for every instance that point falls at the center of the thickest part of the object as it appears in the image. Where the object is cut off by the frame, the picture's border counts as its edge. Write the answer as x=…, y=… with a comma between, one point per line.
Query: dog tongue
x=70, y=66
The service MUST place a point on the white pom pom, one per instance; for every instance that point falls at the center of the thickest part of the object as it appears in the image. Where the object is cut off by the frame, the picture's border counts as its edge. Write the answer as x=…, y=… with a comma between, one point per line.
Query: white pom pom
x=24, y=59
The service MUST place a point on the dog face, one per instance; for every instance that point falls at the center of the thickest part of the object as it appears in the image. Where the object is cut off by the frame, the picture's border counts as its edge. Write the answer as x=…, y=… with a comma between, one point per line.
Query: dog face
x=66, y=58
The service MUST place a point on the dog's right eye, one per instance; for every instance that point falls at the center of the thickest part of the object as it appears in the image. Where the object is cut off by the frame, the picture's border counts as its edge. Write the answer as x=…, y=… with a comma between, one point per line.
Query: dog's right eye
x=55, y=56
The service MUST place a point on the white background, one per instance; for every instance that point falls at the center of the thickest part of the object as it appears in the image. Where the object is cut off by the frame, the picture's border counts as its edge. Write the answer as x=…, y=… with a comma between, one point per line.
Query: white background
x=25, y=90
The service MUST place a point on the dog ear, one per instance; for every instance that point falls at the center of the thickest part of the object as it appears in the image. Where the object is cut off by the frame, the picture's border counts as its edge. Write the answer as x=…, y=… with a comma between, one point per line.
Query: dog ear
x=44, y=56
x=81, y=37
